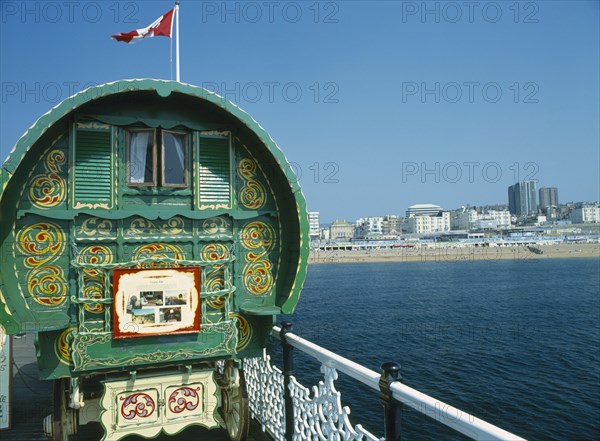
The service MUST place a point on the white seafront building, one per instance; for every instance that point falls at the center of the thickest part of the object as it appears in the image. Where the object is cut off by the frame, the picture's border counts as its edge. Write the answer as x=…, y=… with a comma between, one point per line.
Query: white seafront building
x=378, y=227
x=392, y=225
x=369, y=226
x=314, y=225
x=467, y=218
x=586, y=214
x=426, y=218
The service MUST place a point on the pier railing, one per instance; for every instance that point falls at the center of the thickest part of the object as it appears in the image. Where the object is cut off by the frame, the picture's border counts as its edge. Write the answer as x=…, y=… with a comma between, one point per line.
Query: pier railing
x=289, y=412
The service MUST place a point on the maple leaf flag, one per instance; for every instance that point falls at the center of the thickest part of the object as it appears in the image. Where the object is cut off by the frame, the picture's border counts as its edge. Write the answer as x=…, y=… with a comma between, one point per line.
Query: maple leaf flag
x=161, y=26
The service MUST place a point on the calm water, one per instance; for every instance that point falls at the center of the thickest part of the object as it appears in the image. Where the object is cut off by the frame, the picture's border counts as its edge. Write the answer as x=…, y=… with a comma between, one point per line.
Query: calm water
x=516, y=343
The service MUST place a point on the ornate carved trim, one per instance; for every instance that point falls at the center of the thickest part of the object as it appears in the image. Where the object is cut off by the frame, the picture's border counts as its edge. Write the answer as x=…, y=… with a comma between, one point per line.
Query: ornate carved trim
x=83, y=345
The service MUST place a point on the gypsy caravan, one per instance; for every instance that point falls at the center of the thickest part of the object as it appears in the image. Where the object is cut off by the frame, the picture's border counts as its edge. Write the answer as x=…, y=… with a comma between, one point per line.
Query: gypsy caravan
x=150, y=235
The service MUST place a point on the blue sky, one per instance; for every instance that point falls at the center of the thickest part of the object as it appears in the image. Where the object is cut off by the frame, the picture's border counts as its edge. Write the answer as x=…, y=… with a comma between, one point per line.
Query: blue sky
x=378, y=105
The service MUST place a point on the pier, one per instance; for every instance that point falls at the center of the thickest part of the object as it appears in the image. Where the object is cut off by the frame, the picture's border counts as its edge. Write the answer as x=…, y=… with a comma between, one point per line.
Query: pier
x=32, y=400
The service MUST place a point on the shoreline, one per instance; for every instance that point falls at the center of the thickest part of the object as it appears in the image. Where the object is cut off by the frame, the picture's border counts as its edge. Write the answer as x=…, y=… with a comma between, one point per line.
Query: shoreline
x=448, y=253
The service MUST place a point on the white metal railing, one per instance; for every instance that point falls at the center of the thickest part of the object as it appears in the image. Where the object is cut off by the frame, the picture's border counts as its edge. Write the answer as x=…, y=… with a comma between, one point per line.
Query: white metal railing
x=446, y=414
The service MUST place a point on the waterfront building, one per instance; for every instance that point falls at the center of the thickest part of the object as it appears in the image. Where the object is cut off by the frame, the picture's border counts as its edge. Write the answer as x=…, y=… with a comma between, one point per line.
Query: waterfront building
x=513, y=192
x=586, y=213
x=492, y=219
x=548, y=199
x=469, y=218
x=522, y=198
x=423, y=210
x=341, y=230
x=484, y=224
x=392, y=225
x=313, y=225
x=502, y=217
x=369, y=226
x=426, y=224
x=425, y=219
x=463, y=218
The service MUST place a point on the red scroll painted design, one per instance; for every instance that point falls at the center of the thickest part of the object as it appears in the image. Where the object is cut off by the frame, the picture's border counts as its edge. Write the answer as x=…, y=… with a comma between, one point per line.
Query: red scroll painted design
x=184, y=398
x=138, y=405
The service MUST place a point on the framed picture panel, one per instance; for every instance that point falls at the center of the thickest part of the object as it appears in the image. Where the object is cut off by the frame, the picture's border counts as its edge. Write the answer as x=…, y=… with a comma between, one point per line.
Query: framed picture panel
x=156, y=301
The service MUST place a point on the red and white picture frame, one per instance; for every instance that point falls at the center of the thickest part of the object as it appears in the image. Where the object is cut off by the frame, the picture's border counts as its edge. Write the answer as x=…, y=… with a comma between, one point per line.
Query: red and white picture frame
x=156, y=301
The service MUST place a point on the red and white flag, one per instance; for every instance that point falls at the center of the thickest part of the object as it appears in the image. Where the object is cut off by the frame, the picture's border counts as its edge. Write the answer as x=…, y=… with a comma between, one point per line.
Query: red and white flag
x=161, y=26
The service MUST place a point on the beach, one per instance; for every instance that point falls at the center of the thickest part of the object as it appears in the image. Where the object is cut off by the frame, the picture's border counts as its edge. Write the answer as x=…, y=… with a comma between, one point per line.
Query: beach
x=447, y=252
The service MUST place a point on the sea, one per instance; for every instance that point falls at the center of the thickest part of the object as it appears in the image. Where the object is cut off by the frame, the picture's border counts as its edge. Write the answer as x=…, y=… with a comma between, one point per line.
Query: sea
x=513, y=342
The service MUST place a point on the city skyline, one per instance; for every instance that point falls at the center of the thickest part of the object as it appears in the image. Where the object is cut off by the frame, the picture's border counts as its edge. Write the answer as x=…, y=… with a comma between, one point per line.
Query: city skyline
x=427, y=109
x=428, y=220
x=485, y=207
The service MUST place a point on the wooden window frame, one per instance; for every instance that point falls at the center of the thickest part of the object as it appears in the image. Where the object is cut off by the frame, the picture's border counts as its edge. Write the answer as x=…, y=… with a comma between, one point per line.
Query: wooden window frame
x=158, y=159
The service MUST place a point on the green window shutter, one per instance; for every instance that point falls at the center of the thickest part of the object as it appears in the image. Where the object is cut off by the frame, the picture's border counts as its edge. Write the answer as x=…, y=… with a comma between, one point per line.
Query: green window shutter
x=93, y=168
x=214, y=173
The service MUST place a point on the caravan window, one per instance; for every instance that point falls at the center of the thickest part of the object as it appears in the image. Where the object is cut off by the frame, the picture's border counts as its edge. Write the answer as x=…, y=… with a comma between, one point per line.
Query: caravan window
x=153, y=163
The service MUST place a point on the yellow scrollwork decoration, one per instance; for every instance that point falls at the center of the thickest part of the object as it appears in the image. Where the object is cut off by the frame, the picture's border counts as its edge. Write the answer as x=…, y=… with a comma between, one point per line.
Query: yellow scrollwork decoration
x=47, y=285
x=95, y=255
x=48, y=189
x=258, y=278
x=215, y=281
x=216, y=302
x=258, y=238
x=93, y=289
x=93, y=278
x=244, y=331
x=214, y=251
x=40, y=243
x=158, y=251
x=252, y=193
x=95, y=227
x=257, y=235
x=142, y=226
x=216, y=225
x=62, y=346
x=173, y=226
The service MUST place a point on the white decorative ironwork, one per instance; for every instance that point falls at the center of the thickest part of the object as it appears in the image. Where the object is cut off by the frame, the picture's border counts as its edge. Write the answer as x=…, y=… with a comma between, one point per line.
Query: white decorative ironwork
x=265, y=394
x=319, y=418
x=323, y=417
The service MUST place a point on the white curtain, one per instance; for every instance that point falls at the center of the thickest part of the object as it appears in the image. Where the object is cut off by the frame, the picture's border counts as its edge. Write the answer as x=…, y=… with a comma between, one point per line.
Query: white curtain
x=137, y=156
x=175, y=171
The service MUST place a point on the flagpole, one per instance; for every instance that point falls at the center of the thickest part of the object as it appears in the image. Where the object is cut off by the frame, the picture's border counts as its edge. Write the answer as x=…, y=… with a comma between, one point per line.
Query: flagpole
x=177, y=78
